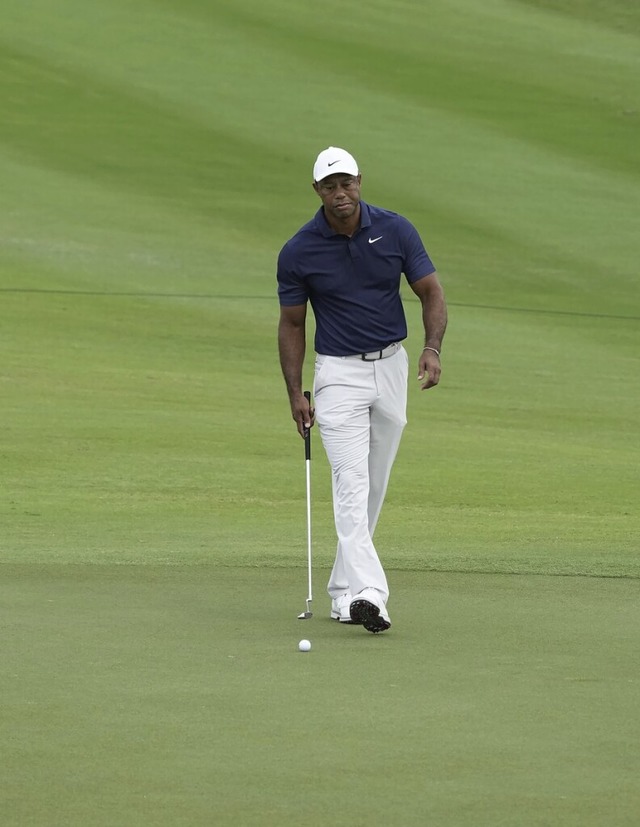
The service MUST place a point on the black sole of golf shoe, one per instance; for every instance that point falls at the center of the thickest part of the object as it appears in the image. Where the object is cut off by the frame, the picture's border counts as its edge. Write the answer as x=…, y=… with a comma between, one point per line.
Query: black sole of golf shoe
x=367, y=614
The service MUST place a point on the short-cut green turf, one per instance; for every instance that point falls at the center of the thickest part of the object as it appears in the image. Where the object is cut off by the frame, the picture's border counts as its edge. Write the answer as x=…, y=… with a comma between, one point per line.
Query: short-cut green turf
x=155, y=157
x=177, y=696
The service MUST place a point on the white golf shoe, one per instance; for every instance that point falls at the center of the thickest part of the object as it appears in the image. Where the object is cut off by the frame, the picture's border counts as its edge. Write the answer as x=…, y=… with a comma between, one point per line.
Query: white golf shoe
x=340, y=609
x=368, y=609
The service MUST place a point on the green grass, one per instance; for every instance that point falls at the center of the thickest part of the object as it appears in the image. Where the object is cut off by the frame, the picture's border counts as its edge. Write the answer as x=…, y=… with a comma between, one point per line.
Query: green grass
x=154, y=158
x=148, y=696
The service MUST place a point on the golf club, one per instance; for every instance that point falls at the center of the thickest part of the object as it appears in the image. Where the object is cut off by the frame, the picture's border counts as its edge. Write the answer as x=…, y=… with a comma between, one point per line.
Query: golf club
x=307, y=456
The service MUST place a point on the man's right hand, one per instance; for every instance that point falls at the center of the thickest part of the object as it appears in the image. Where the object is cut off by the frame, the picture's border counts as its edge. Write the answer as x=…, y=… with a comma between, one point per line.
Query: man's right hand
x=303, y=414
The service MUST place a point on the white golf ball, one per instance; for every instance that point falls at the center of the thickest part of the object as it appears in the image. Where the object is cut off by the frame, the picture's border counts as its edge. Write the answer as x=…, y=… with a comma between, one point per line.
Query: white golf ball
x=304, y=645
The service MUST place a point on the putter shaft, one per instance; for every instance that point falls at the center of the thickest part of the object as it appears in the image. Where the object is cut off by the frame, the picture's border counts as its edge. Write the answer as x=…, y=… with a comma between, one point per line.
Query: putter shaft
x=307, y=456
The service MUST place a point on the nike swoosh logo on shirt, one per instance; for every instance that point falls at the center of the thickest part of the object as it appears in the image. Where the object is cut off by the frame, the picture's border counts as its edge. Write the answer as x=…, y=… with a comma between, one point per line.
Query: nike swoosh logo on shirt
x=373, y=240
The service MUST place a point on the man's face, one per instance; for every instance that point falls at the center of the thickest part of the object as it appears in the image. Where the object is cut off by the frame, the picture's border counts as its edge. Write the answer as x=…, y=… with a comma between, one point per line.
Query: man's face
x=340, y=194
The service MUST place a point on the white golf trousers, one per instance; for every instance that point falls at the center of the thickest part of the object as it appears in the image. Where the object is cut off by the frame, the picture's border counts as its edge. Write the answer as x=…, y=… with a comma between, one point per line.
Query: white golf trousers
x=361, y=412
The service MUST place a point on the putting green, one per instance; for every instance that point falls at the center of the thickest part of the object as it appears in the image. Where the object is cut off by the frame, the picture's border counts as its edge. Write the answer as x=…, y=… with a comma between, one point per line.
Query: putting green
x=159, y=695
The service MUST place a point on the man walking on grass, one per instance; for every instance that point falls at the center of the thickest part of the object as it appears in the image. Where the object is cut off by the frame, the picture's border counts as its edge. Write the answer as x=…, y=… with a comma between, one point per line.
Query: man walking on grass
x=347, y=262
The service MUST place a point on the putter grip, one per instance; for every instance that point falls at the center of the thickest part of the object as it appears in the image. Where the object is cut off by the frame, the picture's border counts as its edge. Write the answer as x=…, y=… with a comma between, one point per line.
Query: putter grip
x=307, y=435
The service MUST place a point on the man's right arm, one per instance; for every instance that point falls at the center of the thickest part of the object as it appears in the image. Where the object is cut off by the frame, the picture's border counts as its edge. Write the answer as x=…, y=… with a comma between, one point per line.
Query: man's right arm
x=291, y=347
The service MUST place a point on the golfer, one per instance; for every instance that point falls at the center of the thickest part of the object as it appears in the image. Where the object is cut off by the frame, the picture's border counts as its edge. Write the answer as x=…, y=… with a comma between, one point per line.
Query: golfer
x=347, y=262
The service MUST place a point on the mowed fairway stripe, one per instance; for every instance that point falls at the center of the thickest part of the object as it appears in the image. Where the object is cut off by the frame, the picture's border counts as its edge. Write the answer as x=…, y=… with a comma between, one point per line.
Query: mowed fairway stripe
x=479, y=148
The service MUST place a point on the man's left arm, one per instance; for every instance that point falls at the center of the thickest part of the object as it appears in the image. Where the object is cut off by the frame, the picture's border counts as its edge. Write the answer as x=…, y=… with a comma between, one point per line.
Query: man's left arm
x=434, y=318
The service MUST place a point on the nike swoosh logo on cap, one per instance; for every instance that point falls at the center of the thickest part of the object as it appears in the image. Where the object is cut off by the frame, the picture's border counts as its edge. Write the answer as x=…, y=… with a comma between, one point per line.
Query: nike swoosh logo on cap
x=373, y=240
x=333, y=162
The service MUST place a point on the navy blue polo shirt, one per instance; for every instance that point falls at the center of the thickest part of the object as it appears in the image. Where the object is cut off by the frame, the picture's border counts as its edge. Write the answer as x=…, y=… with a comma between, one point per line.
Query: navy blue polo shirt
x=353, y=284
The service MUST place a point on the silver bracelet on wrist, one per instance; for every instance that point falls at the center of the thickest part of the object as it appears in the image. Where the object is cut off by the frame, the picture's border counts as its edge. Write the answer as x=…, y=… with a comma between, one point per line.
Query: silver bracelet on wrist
x=435, y=350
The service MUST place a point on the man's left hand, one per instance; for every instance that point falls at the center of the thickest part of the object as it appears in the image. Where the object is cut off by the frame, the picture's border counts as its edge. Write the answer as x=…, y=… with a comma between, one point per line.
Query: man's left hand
x=429, y=365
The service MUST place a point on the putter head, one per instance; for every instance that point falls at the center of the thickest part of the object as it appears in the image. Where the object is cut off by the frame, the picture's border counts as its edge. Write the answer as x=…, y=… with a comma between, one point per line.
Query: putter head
x=306, y=615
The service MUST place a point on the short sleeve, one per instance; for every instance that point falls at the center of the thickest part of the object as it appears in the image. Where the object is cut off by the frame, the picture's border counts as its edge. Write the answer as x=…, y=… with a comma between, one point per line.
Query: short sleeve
x=416, y=261
x=291, y=288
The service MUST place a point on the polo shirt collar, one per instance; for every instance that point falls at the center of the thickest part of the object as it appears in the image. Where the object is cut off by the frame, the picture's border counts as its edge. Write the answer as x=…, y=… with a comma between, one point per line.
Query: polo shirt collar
x=324, y=228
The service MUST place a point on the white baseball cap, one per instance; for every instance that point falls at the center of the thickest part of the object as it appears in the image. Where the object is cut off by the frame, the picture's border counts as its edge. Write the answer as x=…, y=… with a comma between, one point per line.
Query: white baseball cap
x=333, y=160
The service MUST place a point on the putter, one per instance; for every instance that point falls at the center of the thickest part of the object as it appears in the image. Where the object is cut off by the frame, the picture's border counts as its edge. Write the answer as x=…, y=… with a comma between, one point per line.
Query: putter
x=307, y=457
